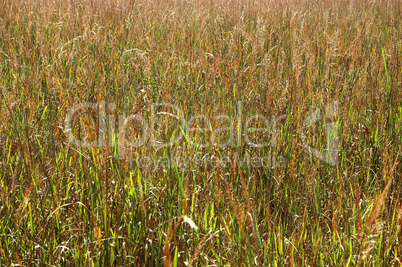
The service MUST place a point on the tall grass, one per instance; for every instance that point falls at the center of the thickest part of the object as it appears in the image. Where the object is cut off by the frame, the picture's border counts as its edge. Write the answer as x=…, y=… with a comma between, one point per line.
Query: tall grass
x=65, y=204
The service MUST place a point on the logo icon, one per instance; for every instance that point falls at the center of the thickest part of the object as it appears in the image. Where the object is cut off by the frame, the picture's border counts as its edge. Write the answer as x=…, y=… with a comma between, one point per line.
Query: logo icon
x=330, y=153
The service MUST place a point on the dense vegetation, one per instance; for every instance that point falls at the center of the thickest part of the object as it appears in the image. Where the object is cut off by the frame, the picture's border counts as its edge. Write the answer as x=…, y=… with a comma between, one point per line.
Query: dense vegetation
x=161, y=72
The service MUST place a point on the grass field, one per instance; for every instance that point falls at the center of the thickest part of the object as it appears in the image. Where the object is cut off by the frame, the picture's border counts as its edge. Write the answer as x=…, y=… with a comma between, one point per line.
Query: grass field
x=200, y=133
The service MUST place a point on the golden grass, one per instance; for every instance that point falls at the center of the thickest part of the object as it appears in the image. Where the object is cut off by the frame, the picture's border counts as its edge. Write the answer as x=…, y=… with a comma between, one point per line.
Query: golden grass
x=62, y=204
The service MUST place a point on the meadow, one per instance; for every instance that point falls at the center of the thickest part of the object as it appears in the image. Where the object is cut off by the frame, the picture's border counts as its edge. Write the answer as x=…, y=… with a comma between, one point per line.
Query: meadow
x=200, y=133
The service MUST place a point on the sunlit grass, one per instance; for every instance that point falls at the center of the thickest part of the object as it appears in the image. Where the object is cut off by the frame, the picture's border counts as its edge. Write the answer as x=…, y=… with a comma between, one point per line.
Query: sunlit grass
x=284, y=60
